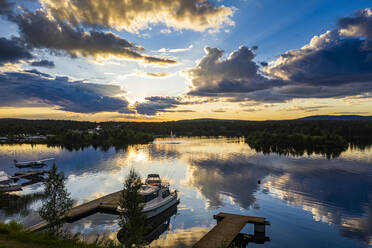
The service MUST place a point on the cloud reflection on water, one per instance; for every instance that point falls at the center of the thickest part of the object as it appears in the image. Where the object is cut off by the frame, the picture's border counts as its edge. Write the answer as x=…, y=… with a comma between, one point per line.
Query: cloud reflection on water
x=224, y=173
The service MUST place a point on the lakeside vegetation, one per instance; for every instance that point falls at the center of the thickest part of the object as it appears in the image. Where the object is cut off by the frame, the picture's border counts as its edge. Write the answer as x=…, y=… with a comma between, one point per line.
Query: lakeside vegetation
x=14, y=236
x=330, y=145
x=112, y=137
x=295, y=137
x=18, y=204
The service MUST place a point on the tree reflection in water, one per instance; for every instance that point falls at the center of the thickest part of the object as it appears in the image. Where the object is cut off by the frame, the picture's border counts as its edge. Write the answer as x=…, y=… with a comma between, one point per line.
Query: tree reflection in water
x=157, y=224
x=18, y=204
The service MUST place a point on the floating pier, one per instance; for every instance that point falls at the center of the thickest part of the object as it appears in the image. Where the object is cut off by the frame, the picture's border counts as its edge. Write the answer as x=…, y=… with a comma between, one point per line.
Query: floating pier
x=227, y=231
x=106, y=204
x=32, y=177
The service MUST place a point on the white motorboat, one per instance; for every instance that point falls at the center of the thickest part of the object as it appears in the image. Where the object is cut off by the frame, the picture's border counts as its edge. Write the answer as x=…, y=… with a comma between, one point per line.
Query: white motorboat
x=157, y=196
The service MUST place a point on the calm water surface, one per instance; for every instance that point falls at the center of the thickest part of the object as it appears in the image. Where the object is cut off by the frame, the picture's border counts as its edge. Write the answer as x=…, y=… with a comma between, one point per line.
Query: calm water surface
x=310, y=201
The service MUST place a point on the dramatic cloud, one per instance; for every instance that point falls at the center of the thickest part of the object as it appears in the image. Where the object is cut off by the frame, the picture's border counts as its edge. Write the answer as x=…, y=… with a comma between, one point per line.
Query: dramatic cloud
x=359, y=25
x=327, y=60
x=32, y=88
x=134, y=15
x=156, y=104
x=12, y=50
x=335, y=64
x=43, y=63
x=238, y=73
x=36, y=29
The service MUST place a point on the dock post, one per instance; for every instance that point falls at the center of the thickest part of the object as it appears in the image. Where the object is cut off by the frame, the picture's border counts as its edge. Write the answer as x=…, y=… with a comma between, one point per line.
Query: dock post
x=259, y=229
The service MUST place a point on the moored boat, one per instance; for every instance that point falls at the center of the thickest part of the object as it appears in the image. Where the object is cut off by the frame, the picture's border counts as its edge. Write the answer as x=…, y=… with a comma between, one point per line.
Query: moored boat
x=157, y=196
x=4, y=178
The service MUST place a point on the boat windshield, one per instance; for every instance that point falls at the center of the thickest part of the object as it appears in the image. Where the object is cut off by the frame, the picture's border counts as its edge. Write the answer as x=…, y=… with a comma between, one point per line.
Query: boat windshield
x=153, y=180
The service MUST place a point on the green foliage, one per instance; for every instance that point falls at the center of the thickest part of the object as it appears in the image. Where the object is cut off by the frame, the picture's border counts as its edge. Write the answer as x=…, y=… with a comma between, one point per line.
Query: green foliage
x=19, y=238
x=116, y=137
x=132, y=219
x=57, y=202
x=12, y=204
x=11, y=226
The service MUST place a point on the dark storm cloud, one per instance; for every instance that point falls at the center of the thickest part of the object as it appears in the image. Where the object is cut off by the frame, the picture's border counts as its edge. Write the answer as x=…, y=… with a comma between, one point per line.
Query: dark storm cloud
x=43, y=63
x=13, y=50
x=30, y=88
x=39, y=31
x=335, y=64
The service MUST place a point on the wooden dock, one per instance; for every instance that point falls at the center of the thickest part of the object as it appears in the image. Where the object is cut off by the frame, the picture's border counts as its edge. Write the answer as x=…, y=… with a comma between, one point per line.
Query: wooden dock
x=32, y=177
x=228, y=229
x=105, y=204
x=224, y=234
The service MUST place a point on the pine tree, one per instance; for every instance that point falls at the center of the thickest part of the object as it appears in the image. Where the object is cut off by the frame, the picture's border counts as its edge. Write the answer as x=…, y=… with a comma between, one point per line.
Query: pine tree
x=132, y=219
x=57, y=202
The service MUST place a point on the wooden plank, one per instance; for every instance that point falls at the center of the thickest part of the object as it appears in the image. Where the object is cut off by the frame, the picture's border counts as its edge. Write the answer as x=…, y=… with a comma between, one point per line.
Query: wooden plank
x=106, y=203
x=227, y=228
x=37, y=227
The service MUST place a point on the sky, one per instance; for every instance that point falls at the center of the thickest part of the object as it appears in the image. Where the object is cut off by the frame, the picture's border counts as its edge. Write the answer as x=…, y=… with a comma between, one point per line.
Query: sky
x=164, y=60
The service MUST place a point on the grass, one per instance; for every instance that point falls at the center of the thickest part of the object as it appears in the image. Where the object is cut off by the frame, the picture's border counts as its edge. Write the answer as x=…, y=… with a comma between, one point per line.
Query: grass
x=12, y=235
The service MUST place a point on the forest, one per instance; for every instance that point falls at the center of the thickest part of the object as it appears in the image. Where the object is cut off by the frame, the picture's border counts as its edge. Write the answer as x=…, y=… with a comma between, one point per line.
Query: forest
x=295, y=137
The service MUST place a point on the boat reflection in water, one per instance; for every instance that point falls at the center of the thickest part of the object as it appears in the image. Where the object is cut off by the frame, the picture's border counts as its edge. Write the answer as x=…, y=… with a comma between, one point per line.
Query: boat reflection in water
x=157, y=224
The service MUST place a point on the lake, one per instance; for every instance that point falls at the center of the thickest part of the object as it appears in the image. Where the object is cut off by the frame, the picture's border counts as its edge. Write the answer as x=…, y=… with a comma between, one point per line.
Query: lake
x=310, y=201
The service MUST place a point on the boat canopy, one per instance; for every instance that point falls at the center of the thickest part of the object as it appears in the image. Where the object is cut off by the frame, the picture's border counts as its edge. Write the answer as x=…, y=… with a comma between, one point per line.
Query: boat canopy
x=153, y=179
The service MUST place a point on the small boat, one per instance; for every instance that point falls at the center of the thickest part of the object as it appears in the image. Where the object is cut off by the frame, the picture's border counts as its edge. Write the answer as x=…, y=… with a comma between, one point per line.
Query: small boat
x=157, y=196
x=4, y=178
x=172, y=135
x=32, y=164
